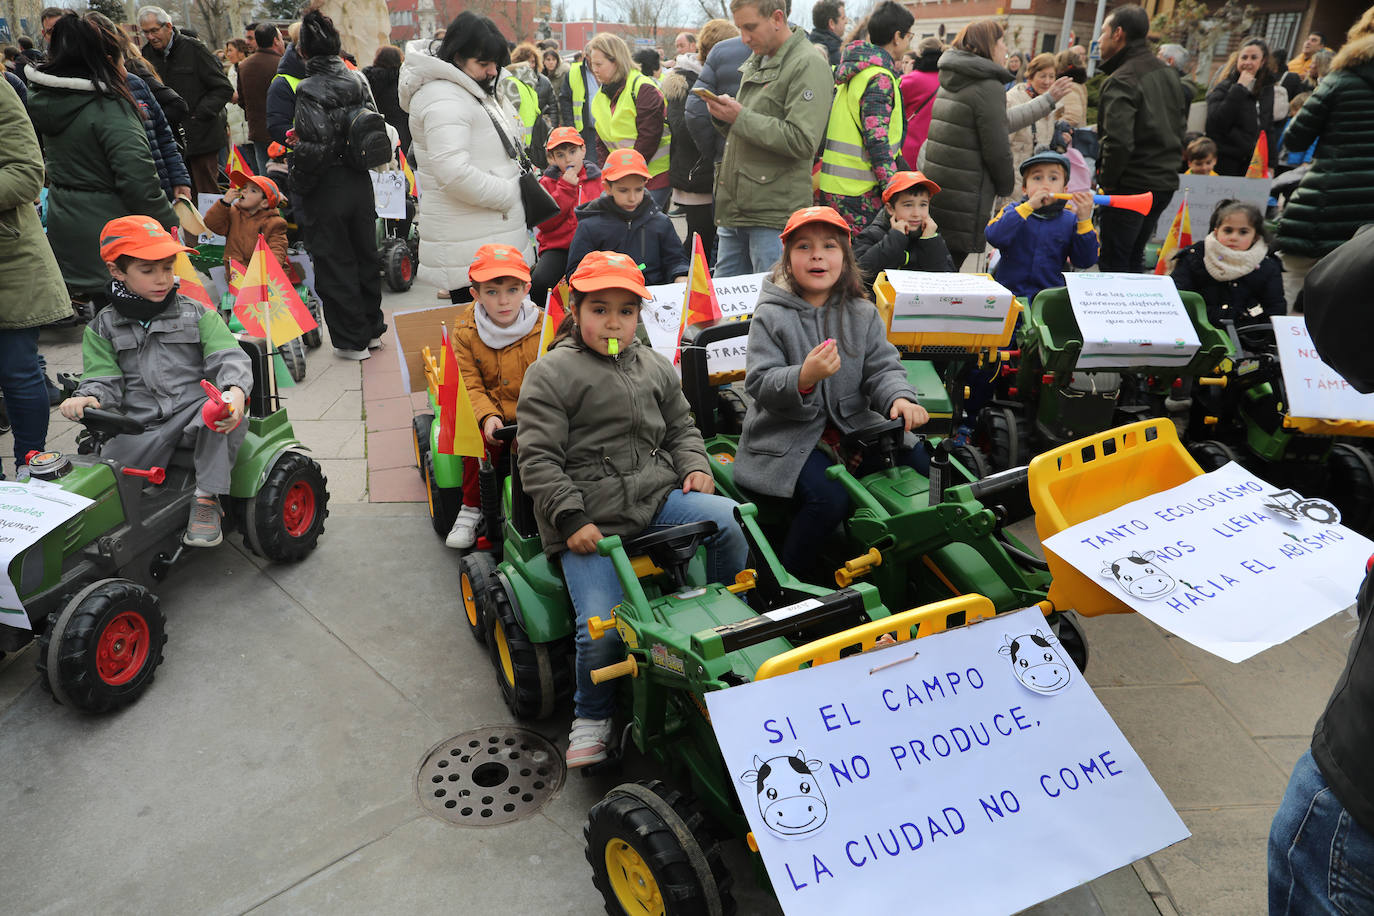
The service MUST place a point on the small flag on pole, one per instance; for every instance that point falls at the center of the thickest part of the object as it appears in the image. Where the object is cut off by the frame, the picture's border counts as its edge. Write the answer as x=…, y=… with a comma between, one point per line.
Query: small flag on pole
x=267, y=303
x=190, y=283
x=236, y=162
x=458, y=433
x=554, y=310
x=1180, y=236
x=1259, y=159
x=702, y=306
x=234, y=277
x=411, y=183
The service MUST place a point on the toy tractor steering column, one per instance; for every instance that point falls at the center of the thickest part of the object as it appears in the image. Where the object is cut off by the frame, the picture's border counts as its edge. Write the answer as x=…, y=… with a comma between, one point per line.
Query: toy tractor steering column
x=671, y=549
x=104, y=425
x=878, y=439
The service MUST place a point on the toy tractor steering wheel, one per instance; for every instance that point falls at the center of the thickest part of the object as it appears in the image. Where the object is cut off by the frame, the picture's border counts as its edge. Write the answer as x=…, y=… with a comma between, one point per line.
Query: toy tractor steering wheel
x=878, y=439
x=671, y=549
x=106, y=424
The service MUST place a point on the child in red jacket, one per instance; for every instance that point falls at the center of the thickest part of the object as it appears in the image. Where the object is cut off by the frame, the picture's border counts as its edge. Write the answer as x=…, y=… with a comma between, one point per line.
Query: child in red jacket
x=572, y=182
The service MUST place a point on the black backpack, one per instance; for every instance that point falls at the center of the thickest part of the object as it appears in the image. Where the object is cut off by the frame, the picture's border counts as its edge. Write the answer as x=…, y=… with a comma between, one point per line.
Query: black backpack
x=367, y=144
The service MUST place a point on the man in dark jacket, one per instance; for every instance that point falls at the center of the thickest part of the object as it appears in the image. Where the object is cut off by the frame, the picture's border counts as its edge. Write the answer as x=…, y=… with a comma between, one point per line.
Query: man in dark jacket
x=1141, y=118
x=829, y=20
x=255, y=74
x=1321, y=842
x=188, y=67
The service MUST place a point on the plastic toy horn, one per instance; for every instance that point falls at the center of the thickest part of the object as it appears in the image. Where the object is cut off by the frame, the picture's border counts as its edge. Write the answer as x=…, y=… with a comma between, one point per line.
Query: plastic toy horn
x=215, y=408
x=1140, y=203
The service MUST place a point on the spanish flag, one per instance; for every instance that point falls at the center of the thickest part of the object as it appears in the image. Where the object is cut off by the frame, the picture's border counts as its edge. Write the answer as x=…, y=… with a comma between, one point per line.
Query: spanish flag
x=554, y=310
x=458, y=433
x=1259, y=159
x=1180, y=235
x=267, y=304
x=234, y=277
x=236, y=162
x=411, y=183
x=702, y=306
x=190, y=283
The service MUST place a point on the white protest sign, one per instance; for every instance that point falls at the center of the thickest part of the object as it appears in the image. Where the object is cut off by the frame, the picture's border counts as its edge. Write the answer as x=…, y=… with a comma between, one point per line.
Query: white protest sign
x=884, y=775
x=662, y=317
x=203, y=203
x=737, y=297
x=1130, y=320
x=1204, y=193
x=389, y=194
x=1226, y=561
x=28, y=511
x=947, y=302
x=1315, y=390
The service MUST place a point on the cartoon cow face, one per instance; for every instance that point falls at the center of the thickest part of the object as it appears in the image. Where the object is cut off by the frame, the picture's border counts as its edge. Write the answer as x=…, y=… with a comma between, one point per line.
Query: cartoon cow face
x=1037, y=662
x=789, y=797
x=1139, y=576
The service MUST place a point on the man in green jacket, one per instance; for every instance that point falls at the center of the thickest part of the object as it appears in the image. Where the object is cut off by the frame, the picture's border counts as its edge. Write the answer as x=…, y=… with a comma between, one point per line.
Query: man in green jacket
x=1141, y=117
x=772, y=132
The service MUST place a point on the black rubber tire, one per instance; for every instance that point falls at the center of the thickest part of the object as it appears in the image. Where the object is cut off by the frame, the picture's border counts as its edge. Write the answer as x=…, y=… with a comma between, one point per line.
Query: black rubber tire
x=1003, y=435
x=476, y=576
x=1072, y=639
x=293, y=354
x=314, y=338
x=278, y=524
x=539, y=675
x=68, y=649
x=1350, y=485
x=1211, y=454
x=444, y=502
x=419, y=428
x=669, y=837
x=399, y=265
x=973, y=460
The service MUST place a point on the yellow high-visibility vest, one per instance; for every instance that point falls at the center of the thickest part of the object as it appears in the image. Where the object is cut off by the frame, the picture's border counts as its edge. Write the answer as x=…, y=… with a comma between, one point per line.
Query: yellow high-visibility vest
x=618, y=130
x=578, y=82
x=845, y=166
x=529, y=110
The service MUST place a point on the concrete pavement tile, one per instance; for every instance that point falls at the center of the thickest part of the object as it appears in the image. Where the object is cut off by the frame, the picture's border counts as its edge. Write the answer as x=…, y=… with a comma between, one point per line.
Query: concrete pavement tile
x=241, y=771
x=390, y=448
x=395, y=485
x=349, y=406
x=1221, y=870
x=1078, y=901
x=1128, y=650
x=419, y=400
x=329, y=438
x=1285, y=750
x=388, y=413
x=1120, y=893
x=347, y=480
x=1336, y=632
x=1194, y=748
x=1281, y=691
x=341, y=374
x=310, y=403
x=16, y=674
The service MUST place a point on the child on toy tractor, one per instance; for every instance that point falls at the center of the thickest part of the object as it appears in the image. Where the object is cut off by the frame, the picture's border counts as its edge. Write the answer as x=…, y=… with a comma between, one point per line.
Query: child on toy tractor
x=607, y=447
x=251, y=207
x=145, y=355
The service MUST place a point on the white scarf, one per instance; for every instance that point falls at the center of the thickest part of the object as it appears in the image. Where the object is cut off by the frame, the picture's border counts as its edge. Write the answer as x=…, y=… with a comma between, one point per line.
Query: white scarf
x=497, y=337
x=1225, y=264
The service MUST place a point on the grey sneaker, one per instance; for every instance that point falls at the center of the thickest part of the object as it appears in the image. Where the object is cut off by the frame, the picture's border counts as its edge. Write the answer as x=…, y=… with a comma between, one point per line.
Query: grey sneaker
x=203, y=530
x=352, y=354
x=375, y=343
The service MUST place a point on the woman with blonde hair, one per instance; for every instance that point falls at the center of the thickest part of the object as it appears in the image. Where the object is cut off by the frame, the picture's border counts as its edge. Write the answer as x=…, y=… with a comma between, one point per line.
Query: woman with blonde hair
x=1073, y=108
x=629, y=111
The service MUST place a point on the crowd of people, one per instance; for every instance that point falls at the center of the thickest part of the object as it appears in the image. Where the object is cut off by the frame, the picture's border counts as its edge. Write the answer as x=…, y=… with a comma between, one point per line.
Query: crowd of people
x=820, y=157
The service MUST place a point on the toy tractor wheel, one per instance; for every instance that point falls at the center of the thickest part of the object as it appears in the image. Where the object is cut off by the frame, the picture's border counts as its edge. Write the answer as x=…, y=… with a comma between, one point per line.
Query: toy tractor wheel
x=534, y=677
x=419, y=428
x=314, y=338
x=399, y=266
x=99, y=653
x=1211, y=454
x=1003, y=437
x=285, y=520
x=475, y=579
x=1072, y=640
x=444, y=502
x=650, y=852
x=974, y=461
x=1350, y=485
x=293, y=354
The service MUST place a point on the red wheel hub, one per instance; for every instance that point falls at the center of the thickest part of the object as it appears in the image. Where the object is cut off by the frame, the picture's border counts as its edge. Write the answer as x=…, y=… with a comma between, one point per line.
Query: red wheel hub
x=298, y=509
x=406, y=269
x=122, y=649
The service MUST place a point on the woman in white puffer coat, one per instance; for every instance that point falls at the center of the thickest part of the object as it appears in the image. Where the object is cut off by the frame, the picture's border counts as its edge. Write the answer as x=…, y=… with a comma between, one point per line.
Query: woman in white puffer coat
x=470, y=185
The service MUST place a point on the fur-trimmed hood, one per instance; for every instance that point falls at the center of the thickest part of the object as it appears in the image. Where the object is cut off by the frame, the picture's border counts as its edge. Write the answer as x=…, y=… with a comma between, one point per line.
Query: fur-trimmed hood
x=55, y=101
x=1355, y=53
x=675, y=85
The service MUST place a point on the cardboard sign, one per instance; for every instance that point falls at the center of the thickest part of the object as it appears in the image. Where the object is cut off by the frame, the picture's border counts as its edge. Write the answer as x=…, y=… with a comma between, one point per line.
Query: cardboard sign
x=1204, y=193
x=947, y=302
x=972, y=770
x=28, y=511
x=1226, y=561
x=416, y=329
x=1130, y=320
x=389, y=194
x=1315, y=390
x=662, y=317
x=737, y=297
x=203, y=204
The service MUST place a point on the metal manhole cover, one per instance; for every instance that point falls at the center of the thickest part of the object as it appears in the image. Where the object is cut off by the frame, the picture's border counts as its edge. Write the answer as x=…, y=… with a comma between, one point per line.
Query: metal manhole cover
x=489, y=776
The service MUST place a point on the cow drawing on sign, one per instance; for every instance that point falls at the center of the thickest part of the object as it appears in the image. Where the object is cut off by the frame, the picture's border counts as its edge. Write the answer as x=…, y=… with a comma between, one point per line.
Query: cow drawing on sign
x=789, y=798
x=1139, y=576
x=1037, y=662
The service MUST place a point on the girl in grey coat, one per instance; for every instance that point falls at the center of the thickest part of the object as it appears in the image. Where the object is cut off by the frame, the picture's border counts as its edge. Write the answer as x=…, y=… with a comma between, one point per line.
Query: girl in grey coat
x=819, y=366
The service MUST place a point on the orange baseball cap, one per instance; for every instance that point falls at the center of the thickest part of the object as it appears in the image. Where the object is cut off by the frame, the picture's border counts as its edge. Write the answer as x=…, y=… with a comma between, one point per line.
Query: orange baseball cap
x=139, y=236
x=624, y=162
x=609, y=270
x=493, y=261
x=562, y=135
x=905, y=180
x=808, y=215
x=267, y=186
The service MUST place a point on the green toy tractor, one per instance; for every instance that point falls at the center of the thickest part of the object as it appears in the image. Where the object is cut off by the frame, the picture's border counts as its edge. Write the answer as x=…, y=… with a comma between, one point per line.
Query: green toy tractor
x=85, y=588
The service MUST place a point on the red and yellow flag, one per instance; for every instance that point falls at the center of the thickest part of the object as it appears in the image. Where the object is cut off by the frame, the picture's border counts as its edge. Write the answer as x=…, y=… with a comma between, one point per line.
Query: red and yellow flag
x=411, y=183
x=1259, y=159
x=236, y=162
x=190, y=283
x=267, y=302
x=702, y=305
x=234, y=277
x=458, y=433
x=554, y=310
x=1180, y=235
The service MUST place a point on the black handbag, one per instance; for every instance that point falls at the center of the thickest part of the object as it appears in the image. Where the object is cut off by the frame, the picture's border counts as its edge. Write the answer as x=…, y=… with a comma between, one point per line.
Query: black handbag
x=538, y=202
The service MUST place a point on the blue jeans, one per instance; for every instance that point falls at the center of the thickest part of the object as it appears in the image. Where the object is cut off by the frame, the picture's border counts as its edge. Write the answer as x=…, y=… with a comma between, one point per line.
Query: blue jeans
x=822, y=504
x=257, y=153
x=595, y=589
x=747, y=250
x=1320, y=860
x=661, y=197
x=26, y=394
